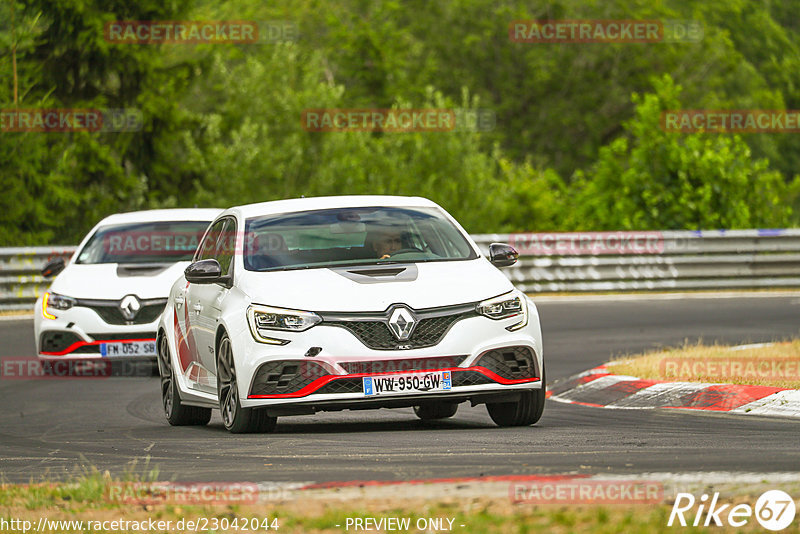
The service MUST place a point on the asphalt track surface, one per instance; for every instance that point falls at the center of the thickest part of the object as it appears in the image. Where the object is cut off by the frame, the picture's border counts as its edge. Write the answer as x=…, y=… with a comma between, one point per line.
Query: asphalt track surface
x=56, y=428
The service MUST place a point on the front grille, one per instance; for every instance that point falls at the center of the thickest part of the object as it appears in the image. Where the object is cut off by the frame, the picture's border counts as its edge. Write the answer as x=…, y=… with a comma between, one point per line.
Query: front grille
x=376, y=334
x=109, y=311
x=102, y=336
x=409, y=364
x=512, y=363
x=285, y=376
x=57, y=341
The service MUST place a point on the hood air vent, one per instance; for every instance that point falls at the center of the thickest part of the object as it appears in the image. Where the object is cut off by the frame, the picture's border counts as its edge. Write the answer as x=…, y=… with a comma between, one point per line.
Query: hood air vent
x=376, y=274
x=141, y=269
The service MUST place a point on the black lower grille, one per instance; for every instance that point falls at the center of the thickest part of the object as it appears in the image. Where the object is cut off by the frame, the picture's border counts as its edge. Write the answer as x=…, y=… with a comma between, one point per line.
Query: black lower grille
x=376, y=334
x=512, y=363
x=57, y=341
x=342, y=385
x=470, y=378
x=285, y=376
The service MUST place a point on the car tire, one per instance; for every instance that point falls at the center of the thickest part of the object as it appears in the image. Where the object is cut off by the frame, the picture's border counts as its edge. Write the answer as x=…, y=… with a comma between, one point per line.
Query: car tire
x=432, y=412
x=236, y=419
x=526, y=411
x=177, y=413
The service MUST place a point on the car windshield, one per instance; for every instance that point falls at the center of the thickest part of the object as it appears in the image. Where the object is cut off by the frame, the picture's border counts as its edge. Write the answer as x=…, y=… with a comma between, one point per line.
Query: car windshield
x=352, y=236
x=151, y=242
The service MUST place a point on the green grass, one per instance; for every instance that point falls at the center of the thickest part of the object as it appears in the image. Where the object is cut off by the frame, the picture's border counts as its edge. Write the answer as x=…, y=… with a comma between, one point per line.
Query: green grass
x=86, y=497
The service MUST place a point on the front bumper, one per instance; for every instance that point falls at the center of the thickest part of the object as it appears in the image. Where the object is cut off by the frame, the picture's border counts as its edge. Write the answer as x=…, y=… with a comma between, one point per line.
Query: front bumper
x=334, y=378
x=80, y=334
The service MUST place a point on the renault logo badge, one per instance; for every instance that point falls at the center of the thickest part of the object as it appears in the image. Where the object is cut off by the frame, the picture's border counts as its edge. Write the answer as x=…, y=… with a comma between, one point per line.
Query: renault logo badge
x=129, y=306
x=402, y=323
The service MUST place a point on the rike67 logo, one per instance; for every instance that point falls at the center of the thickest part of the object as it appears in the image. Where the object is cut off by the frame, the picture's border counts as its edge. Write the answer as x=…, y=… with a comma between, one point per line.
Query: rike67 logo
x=774, y=510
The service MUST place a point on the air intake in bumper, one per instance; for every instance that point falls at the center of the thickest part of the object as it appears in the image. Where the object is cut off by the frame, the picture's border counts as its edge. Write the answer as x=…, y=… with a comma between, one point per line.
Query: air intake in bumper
x=511, y=363
x=285, y=376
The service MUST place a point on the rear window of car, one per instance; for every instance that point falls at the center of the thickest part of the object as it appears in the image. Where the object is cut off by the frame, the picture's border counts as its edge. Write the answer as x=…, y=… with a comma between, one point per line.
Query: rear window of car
x=352, y=236
x=151, y=242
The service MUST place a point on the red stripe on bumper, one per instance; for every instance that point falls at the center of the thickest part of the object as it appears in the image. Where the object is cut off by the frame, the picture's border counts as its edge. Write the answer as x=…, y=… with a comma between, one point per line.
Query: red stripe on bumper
x=319, y=382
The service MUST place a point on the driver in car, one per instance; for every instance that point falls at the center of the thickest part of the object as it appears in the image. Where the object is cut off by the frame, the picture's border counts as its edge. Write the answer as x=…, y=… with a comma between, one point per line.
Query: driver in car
x=386, y=242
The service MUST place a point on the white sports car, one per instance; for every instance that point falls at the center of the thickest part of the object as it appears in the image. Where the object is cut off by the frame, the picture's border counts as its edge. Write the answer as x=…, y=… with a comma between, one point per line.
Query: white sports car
x=106, y=300
x=298, y=306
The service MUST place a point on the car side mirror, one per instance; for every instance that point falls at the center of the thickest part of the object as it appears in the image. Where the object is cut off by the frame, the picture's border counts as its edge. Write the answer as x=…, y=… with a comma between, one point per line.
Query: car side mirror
x=53, y=267
x=502, y=255
x=203, y=272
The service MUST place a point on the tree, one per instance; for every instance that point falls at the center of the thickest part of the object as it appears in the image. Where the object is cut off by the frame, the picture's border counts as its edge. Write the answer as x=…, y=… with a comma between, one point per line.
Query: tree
x=651, y=179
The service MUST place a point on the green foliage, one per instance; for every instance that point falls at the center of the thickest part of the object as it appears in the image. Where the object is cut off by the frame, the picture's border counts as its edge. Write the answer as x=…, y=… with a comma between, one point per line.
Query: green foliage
x=31, y=200
x=651, y=179
x=537, y=199
x=262, y=152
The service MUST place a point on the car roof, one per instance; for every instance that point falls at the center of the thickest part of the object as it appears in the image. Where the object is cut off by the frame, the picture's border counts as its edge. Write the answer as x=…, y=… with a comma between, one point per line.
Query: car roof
x=317, y=203
x=177, y=214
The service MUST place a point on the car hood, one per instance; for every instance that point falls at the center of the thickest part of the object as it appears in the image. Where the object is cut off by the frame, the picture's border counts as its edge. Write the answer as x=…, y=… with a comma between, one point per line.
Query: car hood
x=113, y=281
x=420, y=285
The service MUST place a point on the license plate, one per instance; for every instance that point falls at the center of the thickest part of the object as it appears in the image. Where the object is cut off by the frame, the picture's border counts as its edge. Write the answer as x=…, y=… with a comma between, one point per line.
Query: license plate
x=128, y=348
x=407, y=383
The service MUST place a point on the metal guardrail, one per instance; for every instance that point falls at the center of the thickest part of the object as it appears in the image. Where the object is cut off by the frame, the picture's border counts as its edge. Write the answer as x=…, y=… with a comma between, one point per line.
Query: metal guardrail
x=635, y=261
x=21, y=281
x=555, y=262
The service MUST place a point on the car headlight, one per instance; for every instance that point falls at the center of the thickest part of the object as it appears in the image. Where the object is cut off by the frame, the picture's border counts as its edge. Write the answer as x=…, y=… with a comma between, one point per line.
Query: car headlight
x=54, y=301
x=511, y=304
x=263, y=319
